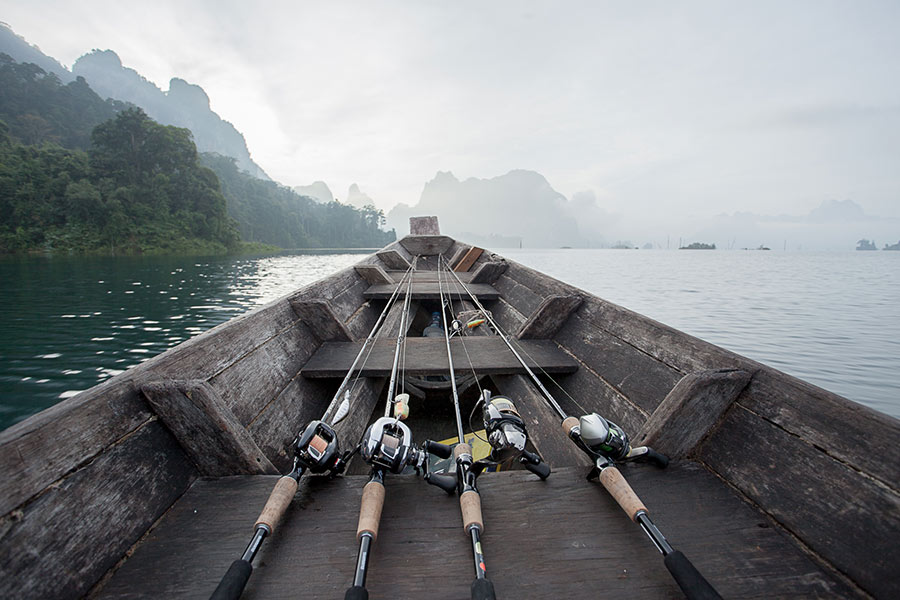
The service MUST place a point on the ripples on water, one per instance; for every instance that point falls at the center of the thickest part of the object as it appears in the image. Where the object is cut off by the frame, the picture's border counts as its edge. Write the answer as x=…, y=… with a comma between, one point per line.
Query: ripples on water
x=833, y=319
x=69, y=323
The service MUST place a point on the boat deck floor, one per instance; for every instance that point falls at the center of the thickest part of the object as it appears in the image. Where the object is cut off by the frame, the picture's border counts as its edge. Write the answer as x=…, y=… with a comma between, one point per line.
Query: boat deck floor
x=564, y=537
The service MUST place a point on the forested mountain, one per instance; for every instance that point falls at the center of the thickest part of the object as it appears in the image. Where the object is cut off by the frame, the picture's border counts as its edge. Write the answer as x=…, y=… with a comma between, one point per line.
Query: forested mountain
x=38, y=108
x=21, y=51
x=274, y=214
x=140, y=188
x=184, y=105
x=78, y=173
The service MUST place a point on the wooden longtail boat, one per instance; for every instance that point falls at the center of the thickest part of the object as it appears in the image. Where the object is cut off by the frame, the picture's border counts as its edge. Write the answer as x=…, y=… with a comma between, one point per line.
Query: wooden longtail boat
x=148, y=485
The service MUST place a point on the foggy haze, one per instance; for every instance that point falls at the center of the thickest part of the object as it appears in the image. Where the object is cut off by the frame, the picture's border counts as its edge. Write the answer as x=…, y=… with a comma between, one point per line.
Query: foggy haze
x=738, y=124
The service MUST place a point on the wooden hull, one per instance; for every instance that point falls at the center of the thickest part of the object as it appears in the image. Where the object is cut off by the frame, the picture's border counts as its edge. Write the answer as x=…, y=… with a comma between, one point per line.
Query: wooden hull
x=778, y=488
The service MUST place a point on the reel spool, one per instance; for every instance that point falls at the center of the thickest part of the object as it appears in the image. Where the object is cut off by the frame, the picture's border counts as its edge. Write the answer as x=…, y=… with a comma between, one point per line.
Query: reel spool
x=507, y=436
x=387, y=443
x=604, y=437
x=607, y=440
x=504, y=427
x=317, y=450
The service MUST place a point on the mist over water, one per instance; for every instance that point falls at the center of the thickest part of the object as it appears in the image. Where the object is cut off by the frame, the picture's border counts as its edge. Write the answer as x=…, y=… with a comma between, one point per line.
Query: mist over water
x=833, y=319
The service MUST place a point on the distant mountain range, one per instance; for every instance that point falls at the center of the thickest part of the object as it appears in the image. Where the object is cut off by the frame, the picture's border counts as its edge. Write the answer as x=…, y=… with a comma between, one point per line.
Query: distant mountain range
x=519, y=208
x=184, y=105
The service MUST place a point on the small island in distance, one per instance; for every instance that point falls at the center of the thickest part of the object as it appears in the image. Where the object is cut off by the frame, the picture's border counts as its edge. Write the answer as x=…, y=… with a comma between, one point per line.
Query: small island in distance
x=865, y=244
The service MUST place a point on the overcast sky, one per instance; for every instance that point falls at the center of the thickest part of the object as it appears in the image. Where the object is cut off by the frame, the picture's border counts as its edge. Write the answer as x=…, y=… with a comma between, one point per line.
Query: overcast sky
x=658, y=108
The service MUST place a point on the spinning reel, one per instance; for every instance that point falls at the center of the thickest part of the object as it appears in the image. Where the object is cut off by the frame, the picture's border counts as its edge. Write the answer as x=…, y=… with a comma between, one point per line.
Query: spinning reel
x=316, y=449
x=607, y=443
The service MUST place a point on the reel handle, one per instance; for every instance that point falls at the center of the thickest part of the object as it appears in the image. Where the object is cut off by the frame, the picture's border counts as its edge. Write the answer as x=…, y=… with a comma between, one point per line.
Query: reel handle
x=657, y=458
x=542, y=469
x=439, y=450
x=445, y=482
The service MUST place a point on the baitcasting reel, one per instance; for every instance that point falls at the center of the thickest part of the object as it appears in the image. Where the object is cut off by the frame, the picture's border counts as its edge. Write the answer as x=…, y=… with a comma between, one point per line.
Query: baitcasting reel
x=507, y=436
x=607, y=443
x=388, y=444
x=316, y=449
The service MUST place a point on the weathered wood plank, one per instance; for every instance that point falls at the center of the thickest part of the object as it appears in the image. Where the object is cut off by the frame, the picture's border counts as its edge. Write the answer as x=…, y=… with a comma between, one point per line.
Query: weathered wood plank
x=429, y=276
x=867, y=439
x=32, y=456
x=428, y=356
x=593, y=394
x=427, y=290
x=248, y=385
x=427, y=245
x=488, y=272
x=644, y=380
x=466, y=262
x=393, y=259
x=544, y=425
x=215, y=350
x=549, y=317
x=321, y=320
x=301, y=402
x=62, y=543
x=677, y=349
x=506, y=316
x=206, y=429
x=373, y=274
x=461, y=250
x=522, y=298
x=847, y=518
x=690, y=411
x=424, y=226
x=561, y=538
x=391, y=326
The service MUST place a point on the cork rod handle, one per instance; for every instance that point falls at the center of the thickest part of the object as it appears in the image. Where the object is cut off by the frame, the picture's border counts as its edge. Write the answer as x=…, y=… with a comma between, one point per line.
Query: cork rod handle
x=616, y=485
x=470, y=505
x=277, y=503
x=370, y=509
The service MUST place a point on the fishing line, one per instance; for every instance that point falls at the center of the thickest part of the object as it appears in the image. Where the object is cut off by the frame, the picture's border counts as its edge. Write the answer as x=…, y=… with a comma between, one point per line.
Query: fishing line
x=376, y=331
x=401, y=339
x=468, y=357
x=462, y=336
x=507, y=339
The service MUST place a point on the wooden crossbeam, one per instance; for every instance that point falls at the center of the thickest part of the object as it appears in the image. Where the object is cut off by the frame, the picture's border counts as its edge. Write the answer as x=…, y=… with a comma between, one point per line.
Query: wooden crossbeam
x=428, y=356
x=431, y=276
x=428, y=290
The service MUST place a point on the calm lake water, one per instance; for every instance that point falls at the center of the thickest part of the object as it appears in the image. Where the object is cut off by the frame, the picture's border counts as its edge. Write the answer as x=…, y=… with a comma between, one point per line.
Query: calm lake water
x=68, y=323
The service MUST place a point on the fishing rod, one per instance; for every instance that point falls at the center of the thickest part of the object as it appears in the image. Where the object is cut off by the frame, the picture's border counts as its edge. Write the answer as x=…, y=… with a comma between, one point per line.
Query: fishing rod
x=607, y=444
x=316, y=450
x=507, y=436
x=387, y=446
